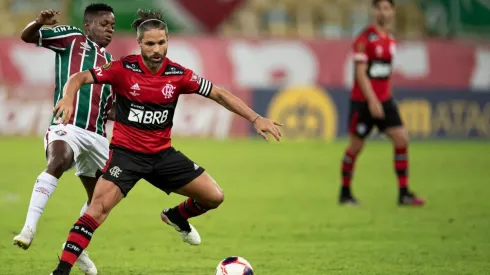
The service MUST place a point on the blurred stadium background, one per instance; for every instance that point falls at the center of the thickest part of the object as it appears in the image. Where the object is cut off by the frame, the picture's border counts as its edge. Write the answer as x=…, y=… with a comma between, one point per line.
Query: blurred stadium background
x=289, y=60
x=260, y=48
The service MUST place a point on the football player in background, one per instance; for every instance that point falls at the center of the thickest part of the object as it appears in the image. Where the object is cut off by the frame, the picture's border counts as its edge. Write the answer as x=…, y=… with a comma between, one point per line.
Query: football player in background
x=372, y=104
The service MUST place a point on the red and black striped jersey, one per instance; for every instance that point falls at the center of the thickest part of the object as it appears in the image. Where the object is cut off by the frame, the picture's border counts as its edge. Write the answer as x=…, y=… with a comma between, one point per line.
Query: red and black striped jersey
x=377, y=49
x=146, y=102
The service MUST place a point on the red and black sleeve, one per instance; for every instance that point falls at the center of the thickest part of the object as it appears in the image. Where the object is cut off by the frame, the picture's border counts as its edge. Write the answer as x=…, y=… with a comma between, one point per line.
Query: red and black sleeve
x=193, y=83
x=107, y=73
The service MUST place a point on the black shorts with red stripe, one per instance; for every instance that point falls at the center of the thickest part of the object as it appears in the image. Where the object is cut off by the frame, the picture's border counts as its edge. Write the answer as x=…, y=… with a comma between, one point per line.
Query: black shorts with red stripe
x=361, y=122
x=167, y=170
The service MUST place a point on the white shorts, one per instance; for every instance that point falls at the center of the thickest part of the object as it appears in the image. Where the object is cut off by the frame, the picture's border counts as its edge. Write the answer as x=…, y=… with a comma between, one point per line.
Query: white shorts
x=90, y=150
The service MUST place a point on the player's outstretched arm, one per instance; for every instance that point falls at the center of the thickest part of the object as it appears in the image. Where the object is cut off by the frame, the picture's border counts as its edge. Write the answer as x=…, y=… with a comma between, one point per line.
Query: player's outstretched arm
x=234, y=104
x=31, y=32
x=65, y=105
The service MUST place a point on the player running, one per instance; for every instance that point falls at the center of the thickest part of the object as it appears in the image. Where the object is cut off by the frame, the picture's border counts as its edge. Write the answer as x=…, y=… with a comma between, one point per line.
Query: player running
x=148, y=87
x=82, y=142
x=372, y=103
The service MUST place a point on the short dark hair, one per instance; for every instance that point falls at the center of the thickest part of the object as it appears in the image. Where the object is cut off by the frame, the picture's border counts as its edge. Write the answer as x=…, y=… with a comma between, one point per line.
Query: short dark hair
x=376, y=2
x=94, y=9
x=149, y=19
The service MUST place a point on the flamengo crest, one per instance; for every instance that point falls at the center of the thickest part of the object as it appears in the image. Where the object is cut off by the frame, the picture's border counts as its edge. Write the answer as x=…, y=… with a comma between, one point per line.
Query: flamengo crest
x=168, y=91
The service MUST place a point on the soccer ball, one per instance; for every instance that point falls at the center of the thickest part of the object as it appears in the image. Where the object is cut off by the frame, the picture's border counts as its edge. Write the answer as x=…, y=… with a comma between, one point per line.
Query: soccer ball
x=234, y=266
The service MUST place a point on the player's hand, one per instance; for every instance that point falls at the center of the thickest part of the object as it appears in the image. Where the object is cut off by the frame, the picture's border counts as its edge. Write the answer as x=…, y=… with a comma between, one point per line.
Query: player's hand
x=376, y=109
x=63, y=109
x=47, y=17
x=265, y=125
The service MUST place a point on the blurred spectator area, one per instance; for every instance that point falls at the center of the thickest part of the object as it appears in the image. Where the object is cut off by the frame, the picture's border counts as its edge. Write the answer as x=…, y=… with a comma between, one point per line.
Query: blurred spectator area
x=316, y=18
x=255, y=18
x=16, y=14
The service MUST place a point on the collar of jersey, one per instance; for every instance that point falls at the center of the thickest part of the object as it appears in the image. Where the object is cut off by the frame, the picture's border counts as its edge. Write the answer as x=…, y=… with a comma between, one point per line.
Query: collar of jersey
x=102, y=49
x=378, y=32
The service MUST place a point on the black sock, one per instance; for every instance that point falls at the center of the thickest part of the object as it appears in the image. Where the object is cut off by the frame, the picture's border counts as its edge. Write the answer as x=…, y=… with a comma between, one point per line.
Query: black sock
x=175, y=217
x=345, y=192
x=403, y=191
x=64, y=266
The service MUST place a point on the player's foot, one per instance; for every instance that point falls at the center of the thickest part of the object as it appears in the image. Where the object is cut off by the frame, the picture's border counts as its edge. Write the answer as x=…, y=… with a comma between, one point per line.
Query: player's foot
x=188, y=233
x=63, y=268
x=85, y=264
x=348, y=201
x=24, y=239
x=346, y=197
x=410, y=198
x=60, y=272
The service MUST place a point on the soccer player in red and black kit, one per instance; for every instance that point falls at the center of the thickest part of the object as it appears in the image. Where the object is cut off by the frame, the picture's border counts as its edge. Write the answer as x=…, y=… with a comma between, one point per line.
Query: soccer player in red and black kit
x=372, y=103
x=147, y=88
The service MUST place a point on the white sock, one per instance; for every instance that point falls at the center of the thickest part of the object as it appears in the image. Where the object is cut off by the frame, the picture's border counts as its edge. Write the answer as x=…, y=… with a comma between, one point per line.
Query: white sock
x=84, y=208
x=43, y=188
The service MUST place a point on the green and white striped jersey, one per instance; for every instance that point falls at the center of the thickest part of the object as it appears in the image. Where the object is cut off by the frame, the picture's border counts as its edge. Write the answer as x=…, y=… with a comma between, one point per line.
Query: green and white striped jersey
x=76, y=53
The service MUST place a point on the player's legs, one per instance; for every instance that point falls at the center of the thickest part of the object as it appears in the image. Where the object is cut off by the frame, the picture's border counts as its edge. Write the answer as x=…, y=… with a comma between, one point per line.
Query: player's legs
x=360, y=125
x=106, y=196
x=84, y=262
x=203, y=195
x=60, y=157
x=93, y=160
x=399, y=137
x=393, y=127
x=95, y=153
x=121, y=173
x=353, y=149
x=89, y=185
x=174, y=172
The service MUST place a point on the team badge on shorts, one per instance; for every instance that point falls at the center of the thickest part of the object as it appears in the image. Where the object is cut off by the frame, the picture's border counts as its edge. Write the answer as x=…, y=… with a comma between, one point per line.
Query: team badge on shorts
x=60, y=132
x=361, y=128
x=115, y=171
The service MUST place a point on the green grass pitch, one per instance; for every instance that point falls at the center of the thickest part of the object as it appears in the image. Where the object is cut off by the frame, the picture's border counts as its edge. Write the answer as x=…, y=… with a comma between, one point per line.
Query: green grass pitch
x=280, y=213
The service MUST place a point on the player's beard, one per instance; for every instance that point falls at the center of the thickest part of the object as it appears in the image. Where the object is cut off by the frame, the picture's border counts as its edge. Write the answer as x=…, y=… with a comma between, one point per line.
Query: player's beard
x=152, y=64
x=384, y=21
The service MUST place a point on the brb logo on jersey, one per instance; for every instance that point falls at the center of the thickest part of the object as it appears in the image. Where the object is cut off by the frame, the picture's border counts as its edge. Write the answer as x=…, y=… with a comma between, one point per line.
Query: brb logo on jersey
x=168, y=91
x=140, y=115
x=380, y=70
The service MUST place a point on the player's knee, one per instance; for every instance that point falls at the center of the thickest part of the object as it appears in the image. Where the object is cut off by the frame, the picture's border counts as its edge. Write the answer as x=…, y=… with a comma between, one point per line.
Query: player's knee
x=402, y=142
x=57, y=165
x=214, y=199
x=97, y=211
x=355, y=146
x=401, y=139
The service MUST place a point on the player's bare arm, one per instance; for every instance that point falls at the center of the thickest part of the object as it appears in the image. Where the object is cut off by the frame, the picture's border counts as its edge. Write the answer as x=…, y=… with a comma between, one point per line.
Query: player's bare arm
x=72, y=86
x=237, y=106
x=31, y=32
x=367, y=90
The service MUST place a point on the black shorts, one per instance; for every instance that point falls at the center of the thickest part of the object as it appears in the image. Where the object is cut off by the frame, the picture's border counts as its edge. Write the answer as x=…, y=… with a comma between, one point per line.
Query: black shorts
x=361, y=122
x=168, y=170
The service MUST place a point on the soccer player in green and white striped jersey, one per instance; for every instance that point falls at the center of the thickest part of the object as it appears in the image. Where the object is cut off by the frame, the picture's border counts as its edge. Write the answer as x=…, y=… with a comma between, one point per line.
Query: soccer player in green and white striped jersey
x=81, y=143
